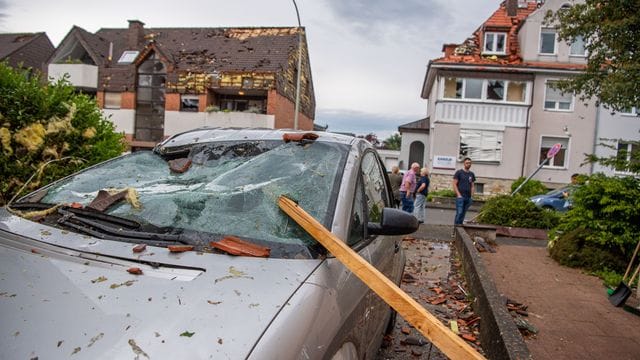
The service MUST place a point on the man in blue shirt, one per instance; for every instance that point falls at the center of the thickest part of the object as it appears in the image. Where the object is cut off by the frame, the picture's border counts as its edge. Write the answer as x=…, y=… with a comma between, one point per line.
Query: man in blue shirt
x=463, y=181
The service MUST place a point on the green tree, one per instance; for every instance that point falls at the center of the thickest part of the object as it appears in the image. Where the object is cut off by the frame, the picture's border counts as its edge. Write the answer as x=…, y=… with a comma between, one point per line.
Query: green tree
x=611, y=30
x=40, y=124
x=393, y=142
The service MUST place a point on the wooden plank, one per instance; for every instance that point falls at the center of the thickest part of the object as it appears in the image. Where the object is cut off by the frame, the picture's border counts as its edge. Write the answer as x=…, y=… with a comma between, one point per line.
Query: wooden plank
x=448, y=342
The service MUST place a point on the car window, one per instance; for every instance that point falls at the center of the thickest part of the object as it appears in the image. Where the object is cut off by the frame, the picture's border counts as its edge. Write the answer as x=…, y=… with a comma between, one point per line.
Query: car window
x=374, y=185
x=358, y=218
x=231, y=188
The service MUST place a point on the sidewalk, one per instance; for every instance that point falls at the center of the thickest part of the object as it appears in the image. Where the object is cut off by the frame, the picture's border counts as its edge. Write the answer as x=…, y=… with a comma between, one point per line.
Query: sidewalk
x=570, y=309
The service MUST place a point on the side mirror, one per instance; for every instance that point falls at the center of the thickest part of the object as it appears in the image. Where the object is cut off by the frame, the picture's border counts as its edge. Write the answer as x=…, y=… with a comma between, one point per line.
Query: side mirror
x=394, y=222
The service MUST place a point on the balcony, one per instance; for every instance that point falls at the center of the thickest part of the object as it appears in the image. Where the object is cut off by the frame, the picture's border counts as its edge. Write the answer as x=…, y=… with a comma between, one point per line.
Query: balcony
x=481, y=113
x=80, y=75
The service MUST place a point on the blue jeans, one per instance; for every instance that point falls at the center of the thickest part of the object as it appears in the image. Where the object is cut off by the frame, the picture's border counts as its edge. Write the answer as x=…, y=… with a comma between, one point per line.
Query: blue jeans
x=407, y=202
x=418, y=210
x=462, y=204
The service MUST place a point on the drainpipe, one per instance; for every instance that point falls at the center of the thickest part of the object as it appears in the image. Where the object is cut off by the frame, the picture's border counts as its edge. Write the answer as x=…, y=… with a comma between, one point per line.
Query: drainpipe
x=595, y=136
x=526, y=131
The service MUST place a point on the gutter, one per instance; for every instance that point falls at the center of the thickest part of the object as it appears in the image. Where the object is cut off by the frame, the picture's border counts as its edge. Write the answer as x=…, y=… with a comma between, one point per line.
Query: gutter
x=526, y=131
x=595, y=135
x=499, y=68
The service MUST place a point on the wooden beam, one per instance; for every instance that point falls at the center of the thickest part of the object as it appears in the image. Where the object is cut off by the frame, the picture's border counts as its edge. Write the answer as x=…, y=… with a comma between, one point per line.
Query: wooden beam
x=448, y=342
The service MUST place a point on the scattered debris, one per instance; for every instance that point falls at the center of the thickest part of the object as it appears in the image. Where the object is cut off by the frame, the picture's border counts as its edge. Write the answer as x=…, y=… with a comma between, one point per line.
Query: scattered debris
x=482, y=246
x=76, y=350
x=234, y=273
x=299, y=136
x=99, y=279
x=94, y=339
x=517, y=311
x=126, y=283
x=60, y=342
x=179, y=248
x=104, y=200
x=139, y=248
x=214, y=302
x=236, y=246
x=134, y=271
x=187, y=334
x=137, y=350
x=180, y=165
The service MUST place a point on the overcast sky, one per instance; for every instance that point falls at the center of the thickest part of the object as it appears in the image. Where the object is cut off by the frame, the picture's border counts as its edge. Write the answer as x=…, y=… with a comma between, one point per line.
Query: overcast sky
x=368, y=57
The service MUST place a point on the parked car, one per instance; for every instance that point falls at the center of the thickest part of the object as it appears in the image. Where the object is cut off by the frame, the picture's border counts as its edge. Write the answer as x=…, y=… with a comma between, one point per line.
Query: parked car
x=558, y=199
x=97, y=265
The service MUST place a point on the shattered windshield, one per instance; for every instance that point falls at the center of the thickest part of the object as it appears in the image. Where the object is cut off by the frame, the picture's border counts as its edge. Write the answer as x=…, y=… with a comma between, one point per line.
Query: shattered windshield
x=224, y=188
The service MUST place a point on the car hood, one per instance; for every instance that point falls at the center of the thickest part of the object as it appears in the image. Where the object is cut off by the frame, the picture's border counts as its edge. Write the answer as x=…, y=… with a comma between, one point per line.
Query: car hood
x=64, y=294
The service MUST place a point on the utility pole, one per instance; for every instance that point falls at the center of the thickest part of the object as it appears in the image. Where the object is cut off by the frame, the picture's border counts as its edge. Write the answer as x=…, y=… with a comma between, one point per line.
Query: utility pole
x=299, y=72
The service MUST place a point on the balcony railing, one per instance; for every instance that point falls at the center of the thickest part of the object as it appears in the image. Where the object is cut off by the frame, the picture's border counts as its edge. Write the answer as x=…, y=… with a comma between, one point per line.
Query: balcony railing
x=481, y=113
x=80, y=75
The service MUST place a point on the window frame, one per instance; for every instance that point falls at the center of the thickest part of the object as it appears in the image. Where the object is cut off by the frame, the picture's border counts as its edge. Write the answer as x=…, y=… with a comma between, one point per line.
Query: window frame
x=628, y=151
x=483, y=145
x=547, y=30
x=192, y=97
x=564, y=150
x=128, y=57
x=494, y=43
x=633, y=112
x=584, y=47
x=483, y=91
x=556, y=103
x=114, y=107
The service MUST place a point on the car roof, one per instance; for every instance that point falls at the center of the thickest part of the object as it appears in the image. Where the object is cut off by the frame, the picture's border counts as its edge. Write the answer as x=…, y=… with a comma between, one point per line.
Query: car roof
x=206, y=135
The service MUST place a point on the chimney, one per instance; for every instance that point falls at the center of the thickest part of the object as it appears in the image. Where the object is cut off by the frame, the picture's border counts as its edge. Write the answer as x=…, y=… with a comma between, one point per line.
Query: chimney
x=512, y=7
x=448, y=49
x=135, y=35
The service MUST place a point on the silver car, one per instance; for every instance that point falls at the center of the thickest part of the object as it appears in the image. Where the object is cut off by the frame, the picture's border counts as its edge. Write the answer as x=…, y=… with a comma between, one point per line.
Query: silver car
x=183, y=253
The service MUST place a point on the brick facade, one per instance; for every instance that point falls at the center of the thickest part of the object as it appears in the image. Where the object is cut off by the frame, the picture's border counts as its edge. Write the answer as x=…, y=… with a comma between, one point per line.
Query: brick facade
x=284, y=109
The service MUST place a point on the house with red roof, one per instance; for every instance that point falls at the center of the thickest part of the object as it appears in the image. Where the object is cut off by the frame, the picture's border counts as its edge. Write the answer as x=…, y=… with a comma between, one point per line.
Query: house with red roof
x=492, y=99
x=156, y=82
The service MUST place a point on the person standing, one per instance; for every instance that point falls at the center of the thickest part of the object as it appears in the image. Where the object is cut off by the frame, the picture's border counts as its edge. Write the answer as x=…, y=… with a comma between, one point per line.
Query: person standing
x=422, y=190
x=463, y=180
x=395, y=178
x=408, y=187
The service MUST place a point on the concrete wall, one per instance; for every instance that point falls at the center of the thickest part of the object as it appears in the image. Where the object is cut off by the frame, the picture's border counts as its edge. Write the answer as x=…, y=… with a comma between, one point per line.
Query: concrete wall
x=407, y=139
x=179, y=121
x=529, y=37
x=123, y=119
x=576, y=125
x=617, y=126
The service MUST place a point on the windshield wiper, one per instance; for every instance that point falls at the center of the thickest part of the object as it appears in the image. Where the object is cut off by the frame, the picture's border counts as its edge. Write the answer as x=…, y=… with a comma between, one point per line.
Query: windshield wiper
x=81, y=221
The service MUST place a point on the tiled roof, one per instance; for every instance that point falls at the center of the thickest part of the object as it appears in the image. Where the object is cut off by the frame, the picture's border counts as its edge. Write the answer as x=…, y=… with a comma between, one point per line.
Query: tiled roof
x=421, y=125
x=12, y=42
x=470, y=51
x=208, y=49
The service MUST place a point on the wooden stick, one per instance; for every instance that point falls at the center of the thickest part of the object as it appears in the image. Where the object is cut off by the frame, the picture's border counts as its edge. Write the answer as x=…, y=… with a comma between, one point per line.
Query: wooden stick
x=448, y=342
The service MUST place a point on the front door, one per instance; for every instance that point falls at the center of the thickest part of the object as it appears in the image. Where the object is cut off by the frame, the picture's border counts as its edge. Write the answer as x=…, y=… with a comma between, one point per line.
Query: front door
x=150, y=100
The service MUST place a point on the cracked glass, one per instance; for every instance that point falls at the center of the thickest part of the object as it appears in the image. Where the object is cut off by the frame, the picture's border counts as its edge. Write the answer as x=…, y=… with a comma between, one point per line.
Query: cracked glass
x=230, y=188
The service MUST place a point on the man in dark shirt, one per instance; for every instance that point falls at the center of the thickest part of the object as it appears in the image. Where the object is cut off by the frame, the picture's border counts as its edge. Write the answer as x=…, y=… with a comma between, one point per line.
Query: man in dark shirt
x=463, y=181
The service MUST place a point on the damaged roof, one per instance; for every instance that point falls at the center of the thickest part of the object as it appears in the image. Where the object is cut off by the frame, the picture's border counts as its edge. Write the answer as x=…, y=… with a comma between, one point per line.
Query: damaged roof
x=13, y=44
x=421, y=125
x=205, y=49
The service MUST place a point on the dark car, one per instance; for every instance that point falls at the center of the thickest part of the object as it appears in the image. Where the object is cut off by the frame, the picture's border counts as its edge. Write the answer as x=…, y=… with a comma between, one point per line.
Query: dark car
x=125, y=259
x=558, y=199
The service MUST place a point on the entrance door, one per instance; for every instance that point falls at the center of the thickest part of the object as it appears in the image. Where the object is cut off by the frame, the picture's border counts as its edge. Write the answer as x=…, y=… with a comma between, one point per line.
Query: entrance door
x=150, y=100
x=416, y=153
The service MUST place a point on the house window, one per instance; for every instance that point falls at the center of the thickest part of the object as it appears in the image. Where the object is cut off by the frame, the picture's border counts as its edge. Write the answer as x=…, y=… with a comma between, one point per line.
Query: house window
x=559, y=160
x=495, y=90
x=128, y=56
x=516, y=91
x=485, y=90
x=628, y=153
x=481, y=145
x=554, y=99
x=578, y=47
x=112, y=100
x=478, y=188
x=452, y=88
x=189, y=103
x=473, y=88
x=633, y=111
x=547, y=41
x=494, y=43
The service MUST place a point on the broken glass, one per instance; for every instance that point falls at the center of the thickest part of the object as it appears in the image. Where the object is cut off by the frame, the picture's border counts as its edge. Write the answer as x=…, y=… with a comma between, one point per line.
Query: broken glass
x=231, y=188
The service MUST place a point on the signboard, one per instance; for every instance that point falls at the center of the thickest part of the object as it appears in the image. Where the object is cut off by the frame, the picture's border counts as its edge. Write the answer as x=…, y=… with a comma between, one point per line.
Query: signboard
x=444, y=162
x=554, y=150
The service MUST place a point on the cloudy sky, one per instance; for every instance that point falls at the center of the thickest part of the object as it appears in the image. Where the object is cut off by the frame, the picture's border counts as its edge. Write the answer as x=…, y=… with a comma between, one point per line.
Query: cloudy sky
x=368, y=57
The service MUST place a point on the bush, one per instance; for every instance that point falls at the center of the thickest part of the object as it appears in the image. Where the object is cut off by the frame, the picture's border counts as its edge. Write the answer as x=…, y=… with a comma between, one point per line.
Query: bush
x=40, y=123
x=605, y=218
x=516, y=211
x=531, y=188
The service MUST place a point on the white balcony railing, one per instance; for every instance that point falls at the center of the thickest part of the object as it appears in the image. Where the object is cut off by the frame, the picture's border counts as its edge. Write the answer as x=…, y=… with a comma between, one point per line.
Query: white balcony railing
x=178, y=121
x=480, y=113
x=80, y=75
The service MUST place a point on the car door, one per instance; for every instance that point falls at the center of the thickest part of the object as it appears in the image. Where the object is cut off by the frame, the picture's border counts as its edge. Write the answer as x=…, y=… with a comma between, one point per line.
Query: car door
x=372, y=195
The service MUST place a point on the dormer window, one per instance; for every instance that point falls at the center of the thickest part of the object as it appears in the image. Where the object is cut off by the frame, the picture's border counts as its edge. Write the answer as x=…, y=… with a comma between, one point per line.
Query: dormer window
x=494, y=43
